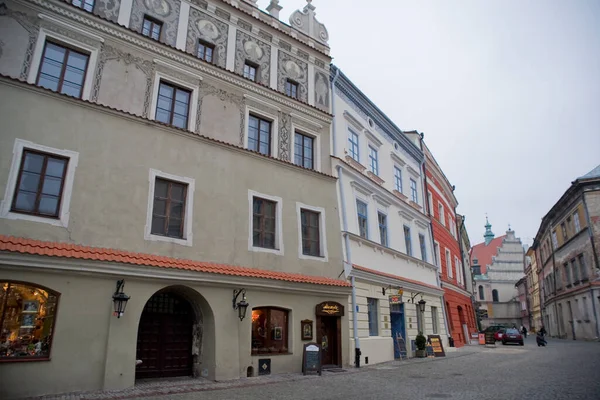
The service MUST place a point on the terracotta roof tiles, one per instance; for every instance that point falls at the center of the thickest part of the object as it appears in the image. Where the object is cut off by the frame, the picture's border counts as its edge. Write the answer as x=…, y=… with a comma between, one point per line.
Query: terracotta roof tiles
x=66, y=250
x=483, y=253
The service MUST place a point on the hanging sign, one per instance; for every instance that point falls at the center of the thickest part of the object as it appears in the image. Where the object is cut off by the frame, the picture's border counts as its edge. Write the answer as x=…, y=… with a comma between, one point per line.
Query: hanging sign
x=330, y=309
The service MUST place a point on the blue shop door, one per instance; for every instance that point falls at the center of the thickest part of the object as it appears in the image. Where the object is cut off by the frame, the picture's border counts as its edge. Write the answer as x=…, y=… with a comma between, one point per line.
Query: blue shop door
x=397, y=319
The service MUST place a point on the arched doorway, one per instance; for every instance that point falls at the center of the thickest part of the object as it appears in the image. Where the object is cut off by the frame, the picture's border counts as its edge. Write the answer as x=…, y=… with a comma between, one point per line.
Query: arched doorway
x=463, y=324
x=165, y=337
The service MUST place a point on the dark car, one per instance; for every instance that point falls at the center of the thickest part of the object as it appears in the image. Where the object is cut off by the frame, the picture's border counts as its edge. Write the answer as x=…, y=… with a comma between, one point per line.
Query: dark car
x=494, y=329
x=512, y=335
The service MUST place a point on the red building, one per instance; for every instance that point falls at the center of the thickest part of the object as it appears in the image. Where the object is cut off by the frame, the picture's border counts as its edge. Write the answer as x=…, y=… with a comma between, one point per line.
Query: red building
x=442, y=204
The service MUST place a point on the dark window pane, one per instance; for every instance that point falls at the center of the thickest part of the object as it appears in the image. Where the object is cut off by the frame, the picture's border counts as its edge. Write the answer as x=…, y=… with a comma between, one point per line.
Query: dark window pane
x=29, y=182
x=177, y=192
x=25, y=201
x=48, y=205
x=52, y=186
x=160, y=207
x=177, y=210
x=158, y=225
x=174, y=227
x=161, y=188
x=55, y=167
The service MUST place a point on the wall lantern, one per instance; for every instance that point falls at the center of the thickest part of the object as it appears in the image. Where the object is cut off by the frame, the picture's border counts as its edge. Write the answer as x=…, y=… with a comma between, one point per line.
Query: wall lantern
x=241, y=305
x=421, y=304
x=120, y=299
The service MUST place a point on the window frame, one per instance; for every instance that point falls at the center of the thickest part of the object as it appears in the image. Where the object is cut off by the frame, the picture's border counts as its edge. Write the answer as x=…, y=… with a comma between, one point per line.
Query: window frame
x=481, y=292
x=583, y=271
x=383, y=228
x=153, y=22
x=83, y=5
x=279, y=248
x=496, y=298
x=441, y=213
x=576, y=222
x=193, y=109
x=373, y=320
x=167, y=207
x=414, y=191
x=20, y=146
x=187, y=239
x=272, y=117
x=438, y=254
x=397, y=179
x=175, y=88
x=323, y=256
x=373, y=160
x=255, y=66
x=294, y=87
x=364, y=216
x=312, y=156
x=423, y=247
x=407, y=240
x=61, y=79
x=285, y=333
x=206, y=45
x=449, y=268
x=353, y=147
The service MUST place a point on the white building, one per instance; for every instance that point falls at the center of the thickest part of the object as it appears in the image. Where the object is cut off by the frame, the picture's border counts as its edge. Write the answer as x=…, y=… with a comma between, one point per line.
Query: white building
x=386, y=232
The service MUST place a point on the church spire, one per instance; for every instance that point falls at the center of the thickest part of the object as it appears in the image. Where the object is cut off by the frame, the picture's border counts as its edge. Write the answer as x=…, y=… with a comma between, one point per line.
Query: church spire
x=488, y=235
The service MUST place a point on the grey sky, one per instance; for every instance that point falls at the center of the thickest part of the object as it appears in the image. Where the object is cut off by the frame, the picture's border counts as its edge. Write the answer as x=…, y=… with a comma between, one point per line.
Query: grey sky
x=507, y=92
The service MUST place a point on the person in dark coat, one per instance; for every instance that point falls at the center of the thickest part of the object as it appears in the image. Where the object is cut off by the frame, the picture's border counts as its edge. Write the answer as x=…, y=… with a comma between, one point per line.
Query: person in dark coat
x=524, y=331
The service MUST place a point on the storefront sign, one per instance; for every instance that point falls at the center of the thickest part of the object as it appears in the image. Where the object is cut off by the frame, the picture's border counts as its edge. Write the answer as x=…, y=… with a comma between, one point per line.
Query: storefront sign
x=395, y=299
x=311, y=359
x=436, y=344
x=330, y=309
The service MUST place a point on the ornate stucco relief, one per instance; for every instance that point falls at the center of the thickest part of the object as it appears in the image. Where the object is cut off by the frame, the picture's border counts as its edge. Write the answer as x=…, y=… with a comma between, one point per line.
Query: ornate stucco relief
x=108, y=9
x=289, y=67
x=211, y=30
x=244, y=25
x=265, y=35
x=207, y=89
x=319, y=63
x=285, y=129
x=256, y=51
x=222, y=14
x=166, y=11
x=200, y=3
x=31, y=25
x=321, y=90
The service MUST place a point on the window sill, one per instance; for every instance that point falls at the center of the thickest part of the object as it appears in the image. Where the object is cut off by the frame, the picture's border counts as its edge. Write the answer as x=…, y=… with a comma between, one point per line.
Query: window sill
x=271, y=354
x=55, y=221
x=279, y=252
x=313, y=258
x=159, y=238
x=22, y=359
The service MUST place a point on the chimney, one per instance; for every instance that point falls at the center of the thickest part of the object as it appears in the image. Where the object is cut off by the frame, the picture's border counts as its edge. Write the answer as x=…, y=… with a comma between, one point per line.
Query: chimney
x=273, y=8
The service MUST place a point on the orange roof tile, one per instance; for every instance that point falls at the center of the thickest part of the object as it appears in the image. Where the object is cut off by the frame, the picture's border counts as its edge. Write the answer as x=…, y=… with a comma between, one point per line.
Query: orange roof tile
x=372, y=271
x=483, y=253
x=67, y=250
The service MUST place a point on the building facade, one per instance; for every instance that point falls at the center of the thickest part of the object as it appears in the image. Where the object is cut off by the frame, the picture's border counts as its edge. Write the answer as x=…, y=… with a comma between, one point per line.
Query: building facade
x=386, y=232
x=522, y=289
x=465, y=249
x=533, y=290
x=566, y=246
x=441, y=206
x=134, y=158
x=498, y=264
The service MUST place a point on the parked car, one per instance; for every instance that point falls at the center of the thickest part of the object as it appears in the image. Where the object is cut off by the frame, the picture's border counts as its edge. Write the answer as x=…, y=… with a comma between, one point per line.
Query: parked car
x=499, y=334
x=512, y=335
x=494, y=329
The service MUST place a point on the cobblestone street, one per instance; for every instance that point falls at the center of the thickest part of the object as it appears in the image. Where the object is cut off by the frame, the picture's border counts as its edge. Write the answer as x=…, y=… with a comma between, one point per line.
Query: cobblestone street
x=563, y=369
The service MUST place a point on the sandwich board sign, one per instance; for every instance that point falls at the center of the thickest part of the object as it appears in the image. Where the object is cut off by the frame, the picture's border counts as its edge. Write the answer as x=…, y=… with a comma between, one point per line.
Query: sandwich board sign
x=311, y=359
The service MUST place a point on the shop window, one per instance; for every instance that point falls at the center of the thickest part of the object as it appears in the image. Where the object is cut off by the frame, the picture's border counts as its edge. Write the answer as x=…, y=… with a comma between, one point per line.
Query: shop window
x=269, y=330
x=27, y=321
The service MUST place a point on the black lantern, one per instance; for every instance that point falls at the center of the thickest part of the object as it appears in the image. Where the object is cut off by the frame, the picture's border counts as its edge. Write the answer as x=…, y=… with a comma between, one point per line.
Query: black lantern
x=421, y=304
x=241, y=305
x=120, y=299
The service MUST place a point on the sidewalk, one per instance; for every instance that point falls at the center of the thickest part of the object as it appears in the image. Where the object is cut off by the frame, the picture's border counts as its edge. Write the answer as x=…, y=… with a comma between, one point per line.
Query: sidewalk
x=158, y=387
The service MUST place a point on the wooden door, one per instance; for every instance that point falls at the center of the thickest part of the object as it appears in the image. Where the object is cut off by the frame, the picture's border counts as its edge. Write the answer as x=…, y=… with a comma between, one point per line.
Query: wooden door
x=328, y=338
x=165, y=337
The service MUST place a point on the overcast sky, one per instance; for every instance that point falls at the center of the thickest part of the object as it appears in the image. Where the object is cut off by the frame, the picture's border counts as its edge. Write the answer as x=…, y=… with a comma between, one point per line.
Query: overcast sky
x=507, y=92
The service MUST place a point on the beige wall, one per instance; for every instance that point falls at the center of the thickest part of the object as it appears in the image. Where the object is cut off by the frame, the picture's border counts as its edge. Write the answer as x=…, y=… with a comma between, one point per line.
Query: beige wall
x=110, y=192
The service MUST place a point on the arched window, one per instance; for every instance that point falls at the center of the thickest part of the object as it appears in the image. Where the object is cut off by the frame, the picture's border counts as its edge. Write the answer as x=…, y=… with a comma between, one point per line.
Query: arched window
x=269, y=330
x=495, y=295
x=27, y=315
x=480, y=290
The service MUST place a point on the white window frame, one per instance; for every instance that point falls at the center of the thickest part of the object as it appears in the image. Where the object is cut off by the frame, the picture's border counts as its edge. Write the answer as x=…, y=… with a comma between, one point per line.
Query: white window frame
x=458, y=272
x=316, y=145
x=576, y=222
x=187, y=240
x=323, y=257
x=416, y=200
x=430, y=202
x=397, y=167
x=554, y=239
x=45, y=34
x=450, y=272
x=351, y=131
x=63, y=218
x=274, y=128
x=442, y=216
x=375, y=150
x=278, y=223
x=438, y=254
x=193, y=107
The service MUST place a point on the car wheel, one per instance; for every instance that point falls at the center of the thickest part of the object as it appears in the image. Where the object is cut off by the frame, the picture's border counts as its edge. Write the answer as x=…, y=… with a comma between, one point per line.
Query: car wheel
x=503, y=343
x=521, y=344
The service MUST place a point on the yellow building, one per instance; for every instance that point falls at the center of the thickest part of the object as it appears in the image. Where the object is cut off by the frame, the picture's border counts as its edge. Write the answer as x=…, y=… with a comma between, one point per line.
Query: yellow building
x=533, y=291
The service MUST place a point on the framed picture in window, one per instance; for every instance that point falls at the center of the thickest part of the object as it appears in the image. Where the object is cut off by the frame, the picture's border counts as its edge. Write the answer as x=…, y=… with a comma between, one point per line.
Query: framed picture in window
x=28, y=320
x=307, y=329
x=277, y=333
x=31, y=306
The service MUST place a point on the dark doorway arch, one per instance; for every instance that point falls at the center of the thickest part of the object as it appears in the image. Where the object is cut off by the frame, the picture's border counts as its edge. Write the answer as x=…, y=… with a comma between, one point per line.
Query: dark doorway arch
x=165, y=336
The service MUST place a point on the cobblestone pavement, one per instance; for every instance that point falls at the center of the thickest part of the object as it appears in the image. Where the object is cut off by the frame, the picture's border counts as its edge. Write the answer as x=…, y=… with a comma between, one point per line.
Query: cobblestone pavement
x=562, y=370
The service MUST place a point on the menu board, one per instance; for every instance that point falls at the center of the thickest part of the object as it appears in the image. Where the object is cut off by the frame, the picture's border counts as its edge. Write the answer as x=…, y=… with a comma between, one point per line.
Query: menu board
x=489, y=338
x=436, y=344
x=311, y=359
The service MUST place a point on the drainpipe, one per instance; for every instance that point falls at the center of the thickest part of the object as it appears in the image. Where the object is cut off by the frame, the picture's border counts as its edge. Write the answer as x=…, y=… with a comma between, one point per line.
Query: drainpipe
x=333, y=131
x=591, y=235
x=429, y=213
x=348, y=259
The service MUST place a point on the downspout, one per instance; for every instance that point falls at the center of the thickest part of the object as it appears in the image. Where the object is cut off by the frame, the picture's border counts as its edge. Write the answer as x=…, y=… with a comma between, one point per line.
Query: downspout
x=429, y=213
x=333, y=131
x=348, y=259
x=591, y=235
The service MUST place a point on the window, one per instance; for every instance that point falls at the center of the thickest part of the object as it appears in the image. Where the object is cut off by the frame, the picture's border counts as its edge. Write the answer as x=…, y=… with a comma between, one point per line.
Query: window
x=495, y=296
x=172, y=105
x=250, y=71
x=373, y=163
x=420, y=324
x=372, y=314
x=458, y=270
x=407, y=240
x=574, y=272
x=481, y=294
x=353, y=145
x=259, y=135
x=413, y=191
x=205, y=51
x=586, y=314
x=382, y=218
x=568, y=280
x=559, y=284
x=304, y=150
x=450, y=272
x=554, y=239
x=62, y=70
x=168, y=211
x=576, y=221
x=583, y=268
x=269, y=330
x=441, y=215
x=291, y=88
x=87, y=5
x=263, y=225
x=310, y=233
x=423, y=248
x=398, y=179
x=434, y=320
x=39, y=186
x=430, y=203
x=151, y=28
x=564, y=232
x=436, y=248
x=27, y=316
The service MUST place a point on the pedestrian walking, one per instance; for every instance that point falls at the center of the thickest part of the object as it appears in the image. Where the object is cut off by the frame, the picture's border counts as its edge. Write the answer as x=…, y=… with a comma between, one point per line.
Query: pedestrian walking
x=524, y=331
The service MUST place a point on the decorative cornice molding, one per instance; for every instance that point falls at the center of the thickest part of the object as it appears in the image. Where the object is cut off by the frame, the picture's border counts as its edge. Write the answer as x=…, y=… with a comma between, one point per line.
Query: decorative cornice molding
x=372, y=138
x=397, y=158
x=356, y=123
x=361, y=188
